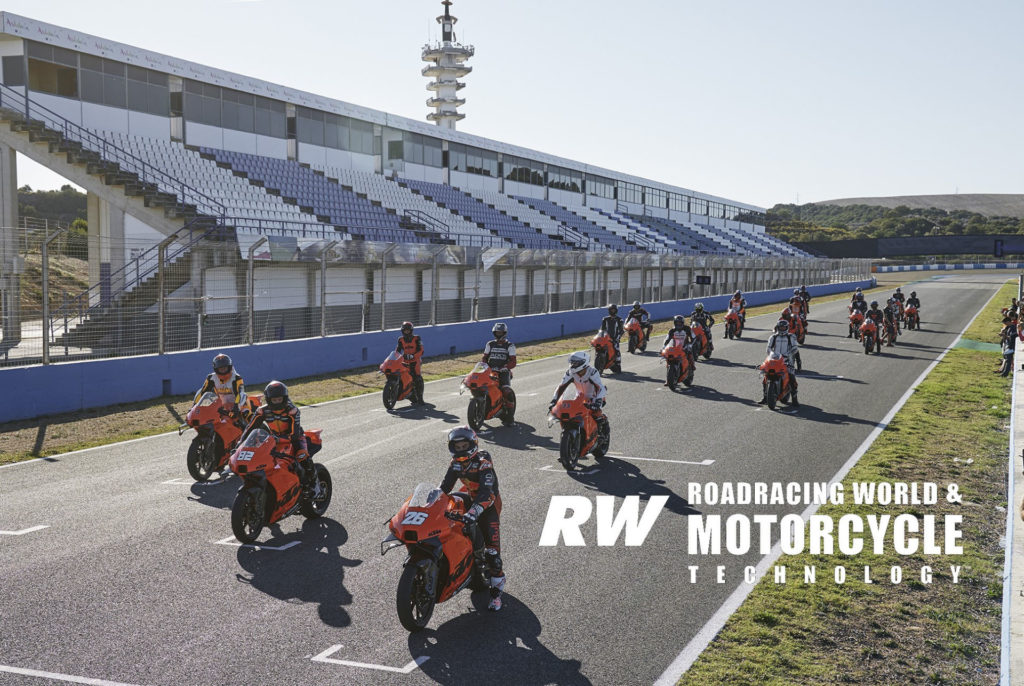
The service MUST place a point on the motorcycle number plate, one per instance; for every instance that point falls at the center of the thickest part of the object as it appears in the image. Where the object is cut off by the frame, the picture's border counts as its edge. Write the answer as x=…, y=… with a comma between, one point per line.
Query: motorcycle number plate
x=245, y=455
x=414, y=518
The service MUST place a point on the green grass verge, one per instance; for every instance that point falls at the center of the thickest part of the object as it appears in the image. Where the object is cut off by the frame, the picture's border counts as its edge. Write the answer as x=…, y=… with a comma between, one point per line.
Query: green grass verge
x=953, y=429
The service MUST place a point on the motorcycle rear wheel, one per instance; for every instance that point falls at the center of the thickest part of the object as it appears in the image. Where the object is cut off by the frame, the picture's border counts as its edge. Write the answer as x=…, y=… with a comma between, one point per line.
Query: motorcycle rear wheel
x=247, y=514
x=314, y=508
x=415, y=606
x=389, y=395
x=569, y=449
x=476, y=413
x=772, y=393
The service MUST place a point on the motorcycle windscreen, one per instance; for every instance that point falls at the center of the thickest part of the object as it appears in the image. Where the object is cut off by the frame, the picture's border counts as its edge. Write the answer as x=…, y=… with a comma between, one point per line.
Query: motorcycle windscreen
x=255, y=439
x=207, y=399
x=393, y=356
x=425, y=495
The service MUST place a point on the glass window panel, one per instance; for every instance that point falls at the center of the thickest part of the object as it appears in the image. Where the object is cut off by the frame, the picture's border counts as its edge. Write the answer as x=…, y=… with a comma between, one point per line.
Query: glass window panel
x=14, y=70
x=229, y=114
x=114, y=68
x=40, y=50
x=211, y=111
x=331, y=131
x=158, y=99
x=158, y=79
x=193, y=107
x=137, y=94
x=193, y=87
x=395, y=149
x=92, y=63
x=134, y=73
x=246, y=118
x=114, y=90
x=66, y=57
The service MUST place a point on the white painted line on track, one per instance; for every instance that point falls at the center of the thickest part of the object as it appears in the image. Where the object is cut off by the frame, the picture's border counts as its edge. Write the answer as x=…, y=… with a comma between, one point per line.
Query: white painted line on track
x=60, y=677
x=551, y=468
x=702, y=463
x=707, y=633
x=231, y=540
x=25, y=531
x=408, y=669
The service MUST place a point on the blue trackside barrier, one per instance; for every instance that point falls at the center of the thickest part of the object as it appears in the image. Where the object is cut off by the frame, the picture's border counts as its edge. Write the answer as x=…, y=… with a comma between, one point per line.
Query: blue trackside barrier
x=948, y=267
x=70, y=387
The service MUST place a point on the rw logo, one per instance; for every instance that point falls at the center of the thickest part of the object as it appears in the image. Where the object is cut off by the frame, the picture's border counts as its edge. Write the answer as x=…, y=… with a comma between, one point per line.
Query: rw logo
x=567, y=513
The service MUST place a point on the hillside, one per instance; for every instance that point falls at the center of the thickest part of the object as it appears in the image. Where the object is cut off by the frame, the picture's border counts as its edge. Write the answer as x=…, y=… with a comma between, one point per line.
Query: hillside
x=988, y=204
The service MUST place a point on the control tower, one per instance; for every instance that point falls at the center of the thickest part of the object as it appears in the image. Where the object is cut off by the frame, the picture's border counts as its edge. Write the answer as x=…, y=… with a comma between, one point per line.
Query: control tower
x=447, y=62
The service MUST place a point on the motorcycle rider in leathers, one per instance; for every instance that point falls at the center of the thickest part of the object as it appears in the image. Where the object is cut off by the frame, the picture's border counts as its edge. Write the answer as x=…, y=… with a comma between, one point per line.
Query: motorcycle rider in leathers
x=784, y=343
x=410, y=347
x=500, y=355
x=588, y=384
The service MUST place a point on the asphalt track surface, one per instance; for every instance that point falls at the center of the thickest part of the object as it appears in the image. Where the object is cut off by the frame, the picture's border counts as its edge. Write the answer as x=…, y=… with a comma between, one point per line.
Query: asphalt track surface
x=129, y=584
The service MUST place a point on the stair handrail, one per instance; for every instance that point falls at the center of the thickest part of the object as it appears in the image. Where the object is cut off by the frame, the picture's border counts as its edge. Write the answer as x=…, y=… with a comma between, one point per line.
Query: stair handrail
x=146, y=172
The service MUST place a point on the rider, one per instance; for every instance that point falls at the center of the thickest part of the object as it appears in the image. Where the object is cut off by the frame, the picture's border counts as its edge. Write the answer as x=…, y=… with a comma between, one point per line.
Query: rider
x=706, y=321
x=891, y=317
x=898, y=297
x=644, y=317
x=859, y=303
x=500, y=354
x=857, y=295
x=740, y=304
x=612, y=325
x=588, y=384
x=914, y=301
x=682, y=333
x=806, y=297
x=281, y=418
x=411, y=349
x=227, y=383
x=474, y=468
x=784, y=343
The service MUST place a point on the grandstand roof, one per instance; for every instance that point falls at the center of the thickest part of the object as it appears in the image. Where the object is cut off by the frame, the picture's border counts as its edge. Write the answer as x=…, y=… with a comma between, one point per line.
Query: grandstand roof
x=31, y=29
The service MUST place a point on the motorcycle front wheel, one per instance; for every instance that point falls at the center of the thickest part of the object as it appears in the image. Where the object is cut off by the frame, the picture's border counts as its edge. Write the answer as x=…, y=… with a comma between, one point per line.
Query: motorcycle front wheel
x=414, y=604
x=672, y=375
x=569, y=448
x=247, y=514
x=632, y=343
x=201, y=459
x=772, y=393
x=599, y=362
x=730, y=330
x=476, y=413
x=389, y=396
x=315, y=506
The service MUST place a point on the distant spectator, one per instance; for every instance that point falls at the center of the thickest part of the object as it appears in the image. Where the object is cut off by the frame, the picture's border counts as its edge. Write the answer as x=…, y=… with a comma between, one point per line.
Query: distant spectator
x=1008, y=340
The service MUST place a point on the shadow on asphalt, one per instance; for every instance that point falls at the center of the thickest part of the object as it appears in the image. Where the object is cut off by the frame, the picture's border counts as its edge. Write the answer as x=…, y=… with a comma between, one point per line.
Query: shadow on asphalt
x=480, y=647
x=428, y=411
x=628, y=376
x=311, y=572
x=816, y=414
x=621, y=478
x=218, y=493
x=522, y=436
x=713, y=394
x=721, y=362
x=806, y=373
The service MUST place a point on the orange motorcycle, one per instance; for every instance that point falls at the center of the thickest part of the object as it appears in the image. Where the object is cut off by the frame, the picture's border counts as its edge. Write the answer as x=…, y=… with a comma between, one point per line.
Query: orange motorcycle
x=270, y=488
x=775, y=379
x=488, y=401
x=604, y=353
x=913, y=319
x=702, y=344
x=581, y=434
x=733, y=323
x=637, y=335
x=798, y=328
x=869, y=336
x=856, y=319
x=399, y=383
x=440, y=545
x=678, y=364
x=216, y=433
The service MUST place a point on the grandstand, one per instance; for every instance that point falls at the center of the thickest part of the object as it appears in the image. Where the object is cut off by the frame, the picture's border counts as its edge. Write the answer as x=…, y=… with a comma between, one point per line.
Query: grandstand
x=164, y=145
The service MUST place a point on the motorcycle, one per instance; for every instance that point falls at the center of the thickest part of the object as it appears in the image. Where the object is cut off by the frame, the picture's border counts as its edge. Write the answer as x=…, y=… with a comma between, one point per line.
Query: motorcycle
x=216, y=434
x=678, y=364
x=733, y=323
x=702, y=344
x=913, y=319
x=399, y=384
x=798, y=327
x=604, y=353
x=869, y=336
x=856, y=319
x=270, y=488
x=581, y=433
x=637, y=335
x=441, y=559
x=775, y=379
x=488, y=401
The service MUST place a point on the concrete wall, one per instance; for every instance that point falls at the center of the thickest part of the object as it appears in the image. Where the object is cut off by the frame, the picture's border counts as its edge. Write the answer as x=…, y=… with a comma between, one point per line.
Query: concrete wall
x=77, y=386
x=947, y=267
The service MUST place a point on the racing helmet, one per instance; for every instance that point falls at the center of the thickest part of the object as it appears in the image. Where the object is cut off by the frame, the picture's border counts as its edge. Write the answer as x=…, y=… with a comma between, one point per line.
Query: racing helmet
x=782, y=326
x=578, y=363
x=462, y=443
x=276, y=395
x=222, y=366
x=499, y=330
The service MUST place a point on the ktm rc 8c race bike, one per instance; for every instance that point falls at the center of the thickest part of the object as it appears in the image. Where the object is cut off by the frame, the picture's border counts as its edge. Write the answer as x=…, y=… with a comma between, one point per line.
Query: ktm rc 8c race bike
x=217, y=432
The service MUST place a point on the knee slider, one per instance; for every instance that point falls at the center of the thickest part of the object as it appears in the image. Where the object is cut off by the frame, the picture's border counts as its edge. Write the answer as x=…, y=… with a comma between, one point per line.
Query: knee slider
x=493, y=561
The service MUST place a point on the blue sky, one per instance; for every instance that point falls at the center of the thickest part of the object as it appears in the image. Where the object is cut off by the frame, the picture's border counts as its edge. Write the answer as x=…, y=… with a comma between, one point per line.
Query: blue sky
x=761, y=102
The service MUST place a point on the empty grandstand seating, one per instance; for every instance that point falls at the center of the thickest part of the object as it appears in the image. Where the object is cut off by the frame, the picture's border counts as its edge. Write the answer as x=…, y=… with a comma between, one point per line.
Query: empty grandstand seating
x=612, y=241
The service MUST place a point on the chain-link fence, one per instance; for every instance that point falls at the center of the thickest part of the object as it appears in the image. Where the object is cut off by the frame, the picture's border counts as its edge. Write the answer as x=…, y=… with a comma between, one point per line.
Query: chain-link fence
x=207, y=288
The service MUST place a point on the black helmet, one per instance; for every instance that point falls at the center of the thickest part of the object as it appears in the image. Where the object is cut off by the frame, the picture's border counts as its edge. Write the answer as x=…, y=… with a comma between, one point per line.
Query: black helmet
x=220, y=362
x=796, y=291
x=803, y=287
x=407, y=328
x=737, y=294
x=462, y=443
x=499, y=330
x=913, y=294
x=636, y=304
x=612, y=309
x=782, y=326
x=679, y=320
x=275, y=391
x=898, y=290
x=699, y=307
x=874, y=303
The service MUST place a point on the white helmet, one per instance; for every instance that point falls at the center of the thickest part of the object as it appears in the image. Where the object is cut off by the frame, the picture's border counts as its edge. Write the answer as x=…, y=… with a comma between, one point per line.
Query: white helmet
x=578, y=362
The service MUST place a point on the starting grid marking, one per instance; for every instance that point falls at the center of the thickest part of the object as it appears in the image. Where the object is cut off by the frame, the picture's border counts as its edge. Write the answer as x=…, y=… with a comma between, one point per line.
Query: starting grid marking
x=231, y=540
x=407, y=669
x=70, y=678
x=25, y=531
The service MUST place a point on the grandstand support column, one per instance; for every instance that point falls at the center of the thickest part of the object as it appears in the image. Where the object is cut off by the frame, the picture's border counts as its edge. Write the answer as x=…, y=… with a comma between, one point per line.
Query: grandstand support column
x=434, y=287
x=106, y=246
x=675, y=281
x=515, y=273
x=11, y=265
x=476, y=286
x=323, y=287
x=575, y=278
x=547, y=284
x=623, y=279
x=643, y=278
x=384, y=283
x=689, y=279
x=250, y=305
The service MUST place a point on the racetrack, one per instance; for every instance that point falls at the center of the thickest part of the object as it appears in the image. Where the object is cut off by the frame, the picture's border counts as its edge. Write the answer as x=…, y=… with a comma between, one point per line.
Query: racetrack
x=133, y=579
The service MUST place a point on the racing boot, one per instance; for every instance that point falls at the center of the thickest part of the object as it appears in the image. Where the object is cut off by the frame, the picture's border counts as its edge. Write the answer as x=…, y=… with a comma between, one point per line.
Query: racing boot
x=508, y=417
x=418, y=391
